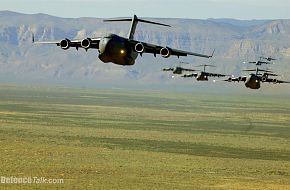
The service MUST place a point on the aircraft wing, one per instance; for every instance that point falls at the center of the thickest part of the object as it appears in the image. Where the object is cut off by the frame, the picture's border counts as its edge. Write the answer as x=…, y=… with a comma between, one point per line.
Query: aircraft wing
x=190, y=75
x=264, y=62
x=275, y=81
x=215, y=75
x=86, y=43
x=236, y=79
x=164, y=51
x=259, y=62
x=269, y=58
x=188, y=69
x=168, y=69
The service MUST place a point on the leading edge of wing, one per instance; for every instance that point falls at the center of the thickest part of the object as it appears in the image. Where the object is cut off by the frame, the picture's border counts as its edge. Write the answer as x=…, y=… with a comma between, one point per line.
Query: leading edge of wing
x=155, y=49
x=77, y=43
x=276, y=81
x=58, y=42
x=43, y=42
x=181, y=52
x=216, y=75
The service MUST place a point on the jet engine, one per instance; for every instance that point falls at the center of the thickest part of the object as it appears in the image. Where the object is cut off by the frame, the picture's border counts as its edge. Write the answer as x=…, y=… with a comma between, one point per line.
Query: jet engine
x=230, y=79
x=240, y=78
x=264, y=79
x=65, y=44
x=165, y=52
x=275, y=81
x=139, y=47
x=86, y=43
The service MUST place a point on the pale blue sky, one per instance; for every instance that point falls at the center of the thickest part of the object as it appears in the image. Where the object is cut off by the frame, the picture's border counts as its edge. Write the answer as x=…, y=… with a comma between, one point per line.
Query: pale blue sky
x=199, y=9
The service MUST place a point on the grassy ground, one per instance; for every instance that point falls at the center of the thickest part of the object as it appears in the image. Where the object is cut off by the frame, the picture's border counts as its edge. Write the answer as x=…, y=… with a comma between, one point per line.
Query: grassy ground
x=114, y=139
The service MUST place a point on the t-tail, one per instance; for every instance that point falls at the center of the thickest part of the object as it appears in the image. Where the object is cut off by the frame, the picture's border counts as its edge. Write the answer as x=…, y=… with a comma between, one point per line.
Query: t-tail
x=134, y=22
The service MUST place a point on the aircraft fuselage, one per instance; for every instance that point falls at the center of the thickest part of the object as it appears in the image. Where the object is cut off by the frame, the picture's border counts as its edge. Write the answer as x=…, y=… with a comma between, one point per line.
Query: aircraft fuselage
x=202, y=77
x=253, y=82
x=116, y=49
x=177, y=70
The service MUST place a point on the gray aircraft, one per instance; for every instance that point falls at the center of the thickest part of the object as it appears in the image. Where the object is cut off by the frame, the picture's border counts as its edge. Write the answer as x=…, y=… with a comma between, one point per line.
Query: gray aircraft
x=203, y=75
x=258, y=63
x=177, y=70
x=120, y=50
x=268, y=58
x=253, y=81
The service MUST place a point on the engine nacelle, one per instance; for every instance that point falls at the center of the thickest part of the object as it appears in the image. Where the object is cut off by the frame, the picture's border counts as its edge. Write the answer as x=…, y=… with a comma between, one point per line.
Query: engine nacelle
x=86, y=43
x=230, y=79
x=139, y=47
x=65, y=44
x=264, y=79
x=240, y=78
x=275, y=81
x=165, y=52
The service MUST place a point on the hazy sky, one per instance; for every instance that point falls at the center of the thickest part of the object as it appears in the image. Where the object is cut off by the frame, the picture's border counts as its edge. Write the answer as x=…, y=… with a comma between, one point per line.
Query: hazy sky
x=200, y=9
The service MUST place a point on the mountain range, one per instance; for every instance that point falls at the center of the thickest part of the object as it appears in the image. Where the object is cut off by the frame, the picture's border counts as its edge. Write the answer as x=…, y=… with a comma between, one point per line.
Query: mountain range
x=234, y=41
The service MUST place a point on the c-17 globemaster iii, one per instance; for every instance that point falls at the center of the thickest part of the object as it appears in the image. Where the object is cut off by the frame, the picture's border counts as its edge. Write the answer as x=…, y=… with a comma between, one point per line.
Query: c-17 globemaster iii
x=253, y=81
x=121, y=50
x=177, y=70
x=261, y=62
x=268, y=58
x=203, y=75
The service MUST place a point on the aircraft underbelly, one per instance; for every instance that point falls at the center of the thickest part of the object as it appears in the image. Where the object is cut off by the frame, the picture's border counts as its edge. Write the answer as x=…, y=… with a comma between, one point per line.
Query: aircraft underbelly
x=117, y=60
x=202, y=77
x=118, y=51
x=253, y=84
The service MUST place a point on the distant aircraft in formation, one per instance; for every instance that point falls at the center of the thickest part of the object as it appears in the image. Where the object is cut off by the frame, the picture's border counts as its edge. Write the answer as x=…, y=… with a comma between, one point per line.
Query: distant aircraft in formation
x=177, y=70
x=121, y=50
x=203, y=75
x=200, y=76
x=268, y=58
x=259, y=62
x=253, y=81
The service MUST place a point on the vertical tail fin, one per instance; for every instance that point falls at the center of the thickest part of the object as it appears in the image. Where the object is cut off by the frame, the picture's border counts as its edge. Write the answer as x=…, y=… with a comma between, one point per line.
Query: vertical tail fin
x=32, y=35
x=134, y=22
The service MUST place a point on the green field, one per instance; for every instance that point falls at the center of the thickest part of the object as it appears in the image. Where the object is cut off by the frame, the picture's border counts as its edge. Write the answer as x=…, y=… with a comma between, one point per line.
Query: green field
x=118, y=139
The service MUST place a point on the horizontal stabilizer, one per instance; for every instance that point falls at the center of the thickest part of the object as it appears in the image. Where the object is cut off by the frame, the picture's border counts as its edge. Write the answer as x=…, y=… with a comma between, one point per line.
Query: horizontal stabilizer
x=139, y=20
x=150, y=22
x=268, y=71
x=249, y=70
x=205, y=65
x=117, y=20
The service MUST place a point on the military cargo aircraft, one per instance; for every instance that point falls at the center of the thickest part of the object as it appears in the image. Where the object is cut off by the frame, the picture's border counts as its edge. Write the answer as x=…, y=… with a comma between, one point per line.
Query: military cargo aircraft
x=253, y=81
x=120, y=50
x=261, y=62
x=268, y=58
x=203, y=75
x=258, y=63
x=177, y=70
